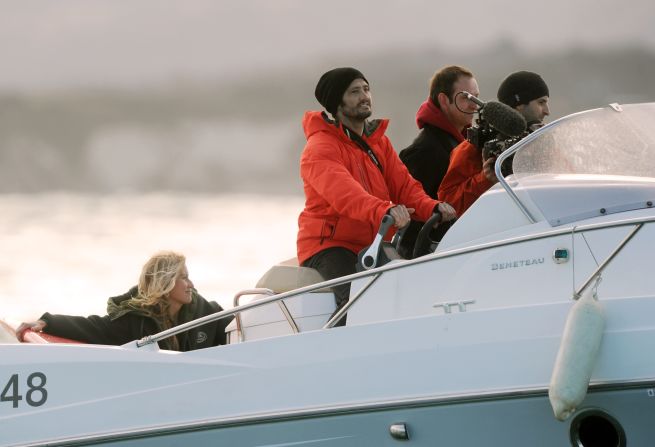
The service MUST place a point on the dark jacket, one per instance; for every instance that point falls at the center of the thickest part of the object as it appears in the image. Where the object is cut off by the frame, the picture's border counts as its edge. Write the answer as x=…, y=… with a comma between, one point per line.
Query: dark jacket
x=427, y=159
x=125, y=322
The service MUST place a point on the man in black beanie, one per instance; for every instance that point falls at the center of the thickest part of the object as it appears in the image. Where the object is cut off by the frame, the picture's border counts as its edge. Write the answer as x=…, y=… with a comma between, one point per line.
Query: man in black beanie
x=333, y=84
x=471, y=173
x=352, y=177
x=527, y=93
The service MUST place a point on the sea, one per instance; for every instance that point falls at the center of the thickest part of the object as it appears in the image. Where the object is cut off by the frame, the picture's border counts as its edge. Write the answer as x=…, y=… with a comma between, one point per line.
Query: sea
x=67, y=253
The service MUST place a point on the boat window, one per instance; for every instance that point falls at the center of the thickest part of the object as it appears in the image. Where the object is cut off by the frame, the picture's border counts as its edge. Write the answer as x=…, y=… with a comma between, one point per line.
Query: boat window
x=601, y=141
x=589, y=164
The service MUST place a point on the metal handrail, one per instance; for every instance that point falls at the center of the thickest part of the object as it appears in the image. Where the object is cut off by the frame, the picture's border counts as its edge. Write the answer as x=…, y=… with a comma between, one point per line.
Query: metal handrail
x=337, y=316
x=149, y=339
x=235, y=303
x=605, y=263
x=261, y=291
x=288, y=316
x=378, y=271
x=510, y=192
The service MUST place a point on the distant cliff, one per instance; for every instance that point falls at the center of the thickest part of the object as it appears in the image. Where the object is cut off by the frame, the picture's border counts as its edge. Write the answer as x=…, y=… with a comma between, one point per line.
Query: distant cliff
x=245, y=135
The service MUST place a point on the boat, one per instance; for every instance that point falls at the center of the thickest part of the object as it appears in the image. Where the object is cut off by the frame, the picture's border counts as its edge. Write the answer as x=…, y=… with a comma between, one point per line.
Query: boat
x=531, y=323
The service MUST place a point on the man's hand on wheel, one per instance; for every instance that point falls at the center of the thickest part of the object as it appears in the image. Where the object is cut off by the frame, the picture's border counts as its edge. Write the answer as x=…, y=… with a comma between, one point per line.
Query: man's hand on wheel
x=401, y=215
x=448, y=213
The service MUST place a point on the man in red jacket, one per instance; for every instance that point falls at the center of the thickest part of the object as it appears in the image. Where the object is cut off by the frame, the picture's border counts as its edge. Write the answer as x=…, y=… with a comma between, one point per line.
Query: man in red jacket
x=352, y=177
x=470, y=174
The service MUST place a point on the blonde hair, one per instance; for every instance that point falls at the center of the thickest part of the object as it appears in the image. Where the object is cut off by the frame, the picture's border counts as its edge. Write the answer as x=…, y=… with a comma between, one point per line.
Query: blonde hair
x=158, y=276
x=157, y=279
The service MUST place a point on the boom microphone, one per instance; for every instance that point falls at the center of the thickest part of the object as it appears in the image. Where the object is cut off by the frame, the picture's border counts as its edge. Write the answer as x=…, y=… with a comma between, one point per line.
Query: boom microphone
x=480, y=103
x=504, y=119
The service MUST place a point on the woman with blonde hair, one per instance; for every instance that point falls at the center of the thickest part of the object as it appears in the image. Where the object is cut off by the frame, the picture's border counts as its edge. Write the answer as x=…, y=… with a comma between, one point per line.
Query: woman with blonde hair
x=165, y=297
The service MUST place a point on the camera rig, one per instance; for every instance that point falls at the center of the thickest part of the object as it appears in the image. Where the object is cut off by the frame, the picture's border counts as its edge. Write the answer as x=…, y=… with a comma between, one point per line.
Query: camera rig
x=497, y=128
x=491, y=141
x=496, y=146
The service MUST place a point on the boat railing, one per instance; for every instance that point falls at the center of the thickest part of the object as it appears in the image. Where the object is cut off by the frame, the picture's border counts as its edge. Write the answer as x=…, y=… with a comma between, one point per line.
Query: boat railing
x=268, y=300
x=285, y=310
x=374, y=274
x=262, y=291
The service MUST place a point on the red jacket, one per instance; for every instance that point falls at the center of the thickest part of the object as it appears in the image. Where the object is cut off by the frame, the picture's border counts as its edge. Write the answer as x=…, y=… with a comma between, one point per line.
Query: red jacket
x=346, y=194
x=464, y=181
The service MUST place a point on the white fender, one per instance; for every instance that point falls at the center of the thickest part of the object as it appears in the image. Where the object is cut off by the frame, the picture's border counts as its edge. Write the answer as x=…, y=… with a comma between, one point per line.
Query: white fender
x=577, y=355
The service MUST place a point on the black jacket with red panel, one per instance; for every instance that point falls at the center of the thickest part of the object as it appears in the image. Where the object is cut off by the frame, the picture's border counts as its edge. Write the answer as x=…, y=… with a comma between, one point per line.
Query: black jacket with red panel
x=427, y=159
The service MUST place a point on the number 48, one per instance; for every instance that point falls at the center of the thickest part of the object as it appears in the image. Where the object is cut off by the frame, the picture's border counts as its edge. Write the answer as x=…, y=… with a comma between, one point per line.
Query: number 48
x=35, y=384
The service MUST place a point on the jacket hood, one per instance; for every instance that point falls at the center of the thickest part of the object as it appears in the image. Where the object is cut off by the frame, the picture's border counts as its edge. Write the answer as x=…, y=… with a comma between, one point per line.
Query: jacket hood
x=317, y=122
x=429, y=113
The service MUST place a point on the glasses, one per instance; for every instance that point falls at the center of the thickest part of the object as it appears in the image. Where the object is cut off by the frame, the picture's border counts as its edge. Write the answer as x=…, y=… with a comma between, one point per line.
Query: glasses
x=464, y=104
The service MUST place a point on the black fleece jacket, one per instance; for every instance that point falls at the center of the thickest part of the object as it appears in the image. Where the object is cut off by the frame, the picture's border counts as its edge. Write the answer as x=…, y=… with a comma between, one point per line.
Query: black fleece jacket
x=123, y=324
x=427, y=159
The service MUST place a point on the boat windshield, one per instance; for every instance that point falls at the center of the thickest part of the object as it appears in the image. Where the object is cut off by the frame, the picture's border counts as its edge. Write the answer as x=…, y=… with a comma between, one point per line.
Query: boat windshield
x=604, y=158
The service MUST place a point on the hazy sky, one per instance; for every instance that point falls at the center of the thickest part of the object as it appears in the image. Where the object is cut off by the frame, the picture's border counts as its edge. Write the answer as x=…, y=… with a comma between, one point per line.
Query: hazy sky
x=46, y=43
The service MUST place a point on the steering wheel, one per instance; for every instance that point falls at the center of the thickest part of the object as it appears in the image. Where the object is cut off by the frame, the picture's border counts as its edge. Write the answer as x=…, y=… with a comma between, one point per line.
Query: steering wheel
x=423, y=244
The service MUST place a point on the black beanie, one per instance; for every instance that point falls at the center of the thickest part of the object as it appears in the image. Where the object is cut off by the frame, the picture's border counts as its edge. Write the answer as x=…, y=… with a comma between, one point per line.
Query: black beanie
x=521, y=88
x=333, y=84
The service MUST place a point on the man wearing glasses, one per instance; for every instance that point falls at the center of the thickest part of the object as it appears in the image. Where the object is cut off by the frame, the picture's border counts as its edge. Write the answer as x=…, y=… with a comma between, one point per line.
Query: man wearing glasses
x=442, y=120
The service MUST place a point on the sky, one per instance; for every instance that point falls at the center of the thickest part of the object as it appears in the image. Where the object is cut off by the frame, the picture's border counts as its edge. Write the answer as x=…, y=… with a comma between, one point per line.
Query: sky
x=47, y=44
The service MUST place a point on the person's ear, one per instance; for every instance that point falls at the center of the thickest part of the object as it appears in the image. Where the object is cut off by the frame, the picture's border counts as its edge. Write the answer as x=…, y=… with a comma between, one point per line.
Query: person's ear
x=337, y=113
x=442, y=101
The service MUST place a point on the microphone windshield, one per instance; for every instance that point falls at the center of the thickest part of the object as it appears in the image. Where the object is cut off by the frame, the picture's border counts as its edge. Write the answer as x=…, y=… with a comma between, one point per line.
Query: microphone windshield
x=504, y=119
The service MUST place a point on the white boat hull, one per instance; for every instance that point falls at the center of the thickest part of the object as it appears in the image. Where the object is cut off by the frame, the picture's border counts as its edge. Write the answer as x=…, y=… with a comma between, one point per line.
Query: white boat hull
x=428, y=372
